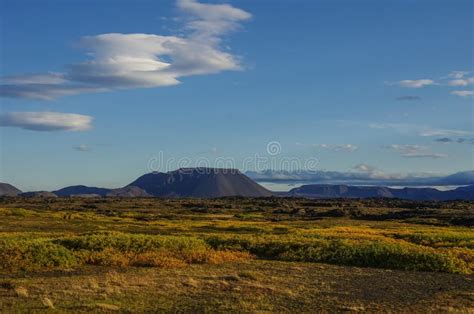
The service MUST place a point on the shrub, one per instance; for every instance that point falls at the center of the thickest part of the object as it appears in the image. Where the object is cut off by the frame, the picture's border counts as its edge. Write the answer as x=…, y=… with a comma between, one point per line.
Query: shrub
x=120, y=249
x=131, y=242
x=34, y=254
x=378, y=254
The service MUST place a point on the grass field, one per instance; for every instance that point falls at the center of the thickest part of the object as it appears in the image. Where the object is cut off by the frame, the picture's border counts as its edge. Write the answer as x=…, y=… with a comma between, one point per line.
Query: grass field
x=137, y=255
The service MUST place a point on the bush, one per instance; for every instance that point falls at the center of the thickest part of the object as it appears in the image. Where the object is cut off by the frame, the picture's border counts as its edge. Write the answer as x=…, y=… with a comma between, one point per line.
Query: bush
x=378, y=254
x=132, y=242
x=34, y=254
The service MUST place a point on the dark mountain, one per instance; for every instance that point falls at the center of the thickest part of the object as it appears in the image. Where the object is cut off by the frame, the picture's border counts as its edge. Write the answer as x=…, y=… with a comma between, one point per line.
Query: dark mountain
x=344, y=191
x=81, y=190
x=128, y=191
x=201, y=183
x=8, y=190
x=329, y=191
x=38, y=194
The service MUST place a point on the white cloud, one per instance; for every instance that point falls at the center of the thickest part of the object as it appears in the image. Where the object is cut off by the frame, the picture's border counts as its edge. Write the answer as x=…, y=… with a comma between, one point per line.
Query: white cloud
x=119, y=61
x=210, y=20
x=414, y=151
x=421, y=130
x=457, y=74
x=339, y=148
x=364, y=168
x=47, y=78
x=442, y=132
x=416, y=83
x=463, y=93
x=332, y=147
x=424, y=155
x=46, y=121
x=454, y=79
x=369, y=172
x=46, y=91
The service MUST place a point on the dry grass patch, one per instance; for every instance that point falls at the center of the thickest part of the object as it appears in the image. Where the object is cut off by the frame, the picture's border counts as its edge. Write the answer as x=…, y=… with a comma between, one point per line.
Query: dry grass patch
x=21, y=292
x=108, y=307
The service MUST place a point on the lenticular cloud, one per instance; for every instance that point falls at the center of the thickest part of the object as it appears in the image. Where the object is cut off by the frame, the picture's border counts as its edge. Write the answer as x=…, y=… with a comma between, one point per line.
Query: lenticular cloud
x=46, y=121
x=120, y=61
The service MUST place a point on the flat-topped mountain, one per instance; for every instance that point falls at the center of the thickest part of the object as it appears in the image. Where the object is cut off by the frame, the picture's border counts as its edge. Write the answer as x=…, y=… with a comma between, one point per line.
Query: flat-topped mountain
x=201, y=183
x=345, y=191
x=8, y=190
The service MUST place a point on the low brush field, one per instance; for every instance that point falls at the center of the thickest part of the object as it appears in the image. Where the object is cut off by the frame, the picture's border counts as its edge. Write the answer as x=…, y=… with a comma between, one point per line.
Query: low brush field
x=235, y=254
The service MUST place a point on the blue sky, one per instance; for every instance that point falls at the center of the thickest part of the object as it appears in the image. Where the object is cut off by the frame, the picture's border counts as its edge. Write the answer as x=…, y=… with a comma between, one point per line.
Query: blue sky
x=88, y=98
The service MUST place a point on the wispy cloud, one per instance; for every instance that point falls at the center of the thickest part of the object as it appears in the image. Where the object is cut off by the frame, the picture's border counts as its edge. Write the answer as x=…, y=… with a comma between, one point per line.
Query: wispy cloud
x=46, y=121
x=414, y=151
x=443, y=132
x=120, y=61
x=422, y=130
x=457, y=74
x=408, y=98
x=332, y=147
x=82, y=148
x=416, y=83
x=460, y=78
x=463, y=93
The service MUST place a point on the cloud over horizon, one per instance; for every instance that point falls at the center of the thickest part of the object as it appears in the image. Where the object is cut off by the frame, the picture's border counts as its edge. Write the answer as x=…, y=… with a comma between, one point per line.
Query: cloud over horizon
x=123, y=61
x=421, y=130
x=414, y=151
x=359, y=174
x=332, y=147
x=46, y=121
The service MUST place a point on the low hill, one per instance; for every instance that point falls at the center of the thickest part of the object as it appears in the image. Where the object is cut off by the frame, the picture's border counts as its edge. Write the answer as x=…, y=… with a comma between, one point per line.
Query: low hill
x=8, y=190
x=201, y=183
x=81, y=190
x=38, y=194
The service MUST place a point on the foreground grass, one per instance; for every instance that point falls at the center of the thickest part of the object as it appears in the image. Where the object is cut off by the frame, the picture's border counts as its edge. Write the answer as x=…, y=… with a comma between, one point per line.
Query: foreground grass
x=252, y=286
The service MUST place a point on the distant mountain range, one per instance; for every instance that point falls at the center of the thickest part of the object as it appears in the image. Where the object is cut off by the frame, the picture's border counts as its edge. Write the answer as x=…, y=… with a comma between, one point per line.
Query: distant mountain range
x=370, y=177
x=213, y=183
x=344, y=191
x=185, y=182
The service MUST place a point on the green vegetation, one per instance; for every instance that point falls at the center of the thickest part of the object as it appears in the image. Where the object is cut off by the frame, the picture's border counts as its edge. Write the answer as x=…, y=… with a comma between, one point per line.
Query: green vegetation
x=165, y=233
x=73, y=235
